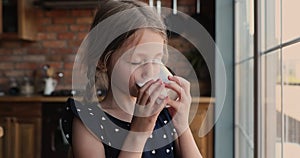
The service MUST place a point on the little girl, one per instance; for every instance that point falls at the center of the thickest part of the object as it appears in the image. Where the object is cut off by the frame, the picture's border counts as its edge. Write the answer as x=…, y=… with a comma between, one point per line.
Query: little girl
x=132, y=120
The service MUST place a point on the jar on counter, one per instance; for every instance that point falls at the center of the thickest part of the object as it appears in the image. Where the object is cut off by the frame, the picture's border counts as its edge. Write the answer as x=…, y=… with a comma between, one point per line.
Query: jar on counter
x=27, y=88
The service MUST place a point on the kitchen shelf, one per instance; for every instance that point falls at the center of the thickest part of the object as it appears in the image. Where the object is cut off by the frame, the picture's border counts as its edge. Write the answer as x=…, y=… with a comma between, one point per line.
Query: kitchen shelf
x=66, y=4
x=21, y=15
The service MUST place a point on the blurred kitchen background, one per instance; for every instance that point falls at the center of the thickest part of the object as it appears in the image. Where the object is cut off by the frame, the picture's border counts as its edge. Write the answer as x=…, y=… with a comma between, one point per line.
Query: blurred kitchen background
x=257, y=116
x=48, y=34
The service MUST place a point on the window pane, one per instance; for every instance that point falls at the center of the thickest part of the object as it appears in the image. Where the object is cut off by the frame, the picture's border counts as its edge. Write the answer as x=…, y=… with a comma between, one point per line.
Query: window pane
x=270, y=23
x=290, y=26
x=243, y=29
x=291, y=95
x=271, y=102
x=244, y=110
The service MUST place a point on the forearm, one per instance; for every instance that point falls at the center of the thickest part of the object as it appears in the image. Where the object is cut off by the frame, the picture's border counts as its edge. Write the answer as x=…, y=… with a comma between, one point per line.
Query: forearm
x=133, y=145
x=187, y=145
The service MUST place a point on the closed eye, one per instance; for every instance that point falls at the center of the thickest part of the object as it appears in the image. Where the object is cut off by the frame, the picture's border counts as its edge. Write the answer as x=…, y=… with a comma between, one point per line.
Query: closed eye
x=136, y=63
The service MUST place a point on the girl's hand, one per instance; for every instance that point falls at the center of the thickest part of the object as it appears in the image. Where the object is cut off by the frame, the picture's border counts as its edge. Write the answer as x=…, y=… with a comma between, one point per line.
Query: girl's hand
x=180, y=108
x=147, y=109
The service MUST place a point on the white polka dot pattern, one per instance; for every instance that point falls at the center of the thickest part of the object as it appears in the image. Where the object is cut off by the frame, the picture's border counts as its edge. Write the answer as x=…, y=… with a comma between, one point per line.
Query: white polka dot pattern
x=164, y=136
x=167, y=151
x=174, y=130
x=110, y=134
x=153, y=152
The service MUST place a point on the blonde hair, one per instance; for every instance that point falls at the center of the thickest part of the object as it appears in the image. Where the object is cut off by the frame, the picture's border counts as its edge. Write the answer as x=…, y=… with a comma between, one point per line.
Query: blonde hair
x=105, y=10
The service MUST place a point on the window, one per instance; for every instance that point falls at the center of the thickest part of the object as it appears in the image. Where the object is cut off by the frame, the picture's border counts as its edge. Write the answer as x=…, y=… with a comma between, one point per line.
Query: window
x=244, y=26
x=279, y=77
x=271, y=104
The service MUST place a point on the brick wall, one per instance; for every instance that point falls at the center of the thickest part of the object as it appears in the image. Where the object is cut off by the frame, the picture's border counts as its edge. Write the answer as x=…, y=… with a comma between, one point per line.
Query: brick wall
x=60, y=32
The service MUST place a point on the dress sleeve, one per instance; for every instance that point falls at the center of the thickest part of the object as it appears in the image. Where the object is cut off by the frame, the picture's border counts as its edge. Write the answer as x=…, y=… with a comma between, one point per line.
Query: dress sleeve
x=67, y=117
x=89, y=114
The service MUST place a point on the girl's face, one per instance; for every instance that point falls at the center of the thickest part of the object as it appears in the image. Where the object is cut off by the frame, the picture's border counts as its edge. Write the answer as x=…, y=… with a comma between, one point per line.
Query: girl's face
x=138, y=61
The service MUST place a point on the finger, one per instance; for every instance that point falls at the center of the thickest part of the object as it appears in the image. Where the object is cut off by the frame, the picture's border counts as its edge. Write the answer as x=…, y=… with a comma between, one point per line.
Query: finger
x=146, y=95
x=161, y=106
x=148, y=84
x=175, y=87
x=174, y=104
x=163, y=103
x=181, y=82
x=143, y=89
x=155, y=94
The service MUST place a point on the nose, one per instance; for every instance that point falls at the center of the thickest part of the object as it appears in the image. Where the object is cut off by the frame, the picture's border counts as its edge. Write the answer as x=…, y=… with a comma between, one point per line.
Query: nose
x=150, y=70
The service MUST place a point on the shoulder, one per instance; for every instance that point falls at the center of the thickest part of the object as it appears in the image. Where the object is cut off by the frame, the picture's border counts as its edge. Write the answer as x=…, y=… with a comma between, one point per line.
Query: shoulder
x=84, y=143
x=86, y=113
x=91, y=118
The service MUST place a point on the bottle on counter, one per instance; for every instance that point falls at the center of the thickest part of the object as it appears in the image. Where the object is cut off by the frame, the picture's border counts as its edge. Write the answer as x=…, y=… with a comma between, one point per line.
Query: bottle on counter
x=14, y=88
x=50, y=85
x=50, y=82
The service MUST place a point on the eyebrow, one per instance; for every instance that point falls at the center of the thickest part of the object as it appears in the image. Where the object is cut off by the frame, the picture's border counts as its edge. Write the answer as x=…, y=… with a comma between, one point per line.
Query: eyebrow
x=158, y=54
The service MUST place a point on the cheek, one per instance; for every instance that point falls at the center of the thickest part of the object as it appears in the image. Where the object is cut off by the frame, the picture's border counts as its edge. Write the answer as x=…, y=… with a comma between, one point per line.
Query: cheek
x=122, y=77
x=121, y=74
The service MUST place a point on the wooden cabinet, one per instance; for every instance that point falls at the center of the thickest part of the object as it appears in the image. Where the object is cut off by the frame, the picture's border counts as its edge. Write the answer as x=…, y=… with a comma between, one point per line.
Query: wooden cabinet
x=17, y=19
x=31, y=127
x=198, y=113
x=21, y=137
x=21, y=131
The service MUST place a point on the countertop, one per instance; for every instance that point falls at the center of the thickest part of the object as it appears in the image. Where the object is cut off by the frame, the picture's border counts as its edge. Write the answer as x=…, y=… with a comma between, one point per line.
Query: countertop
x=33, y=98
x=40, y=98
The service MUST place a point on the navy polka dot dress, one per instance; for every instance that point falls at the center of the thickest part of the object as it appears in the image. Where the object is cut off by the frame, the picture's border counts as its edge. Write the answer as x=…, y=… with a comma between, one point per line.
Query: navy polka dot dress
x=112, y=131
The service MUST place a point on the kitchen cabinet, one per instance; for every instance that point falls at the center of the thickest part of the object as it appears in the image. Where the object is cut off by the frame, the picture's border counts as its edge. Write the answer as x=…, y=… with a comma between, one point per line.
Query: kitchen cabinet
x=17, y=20
x=21, y=130
x=205, y=143
x=31, y=127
